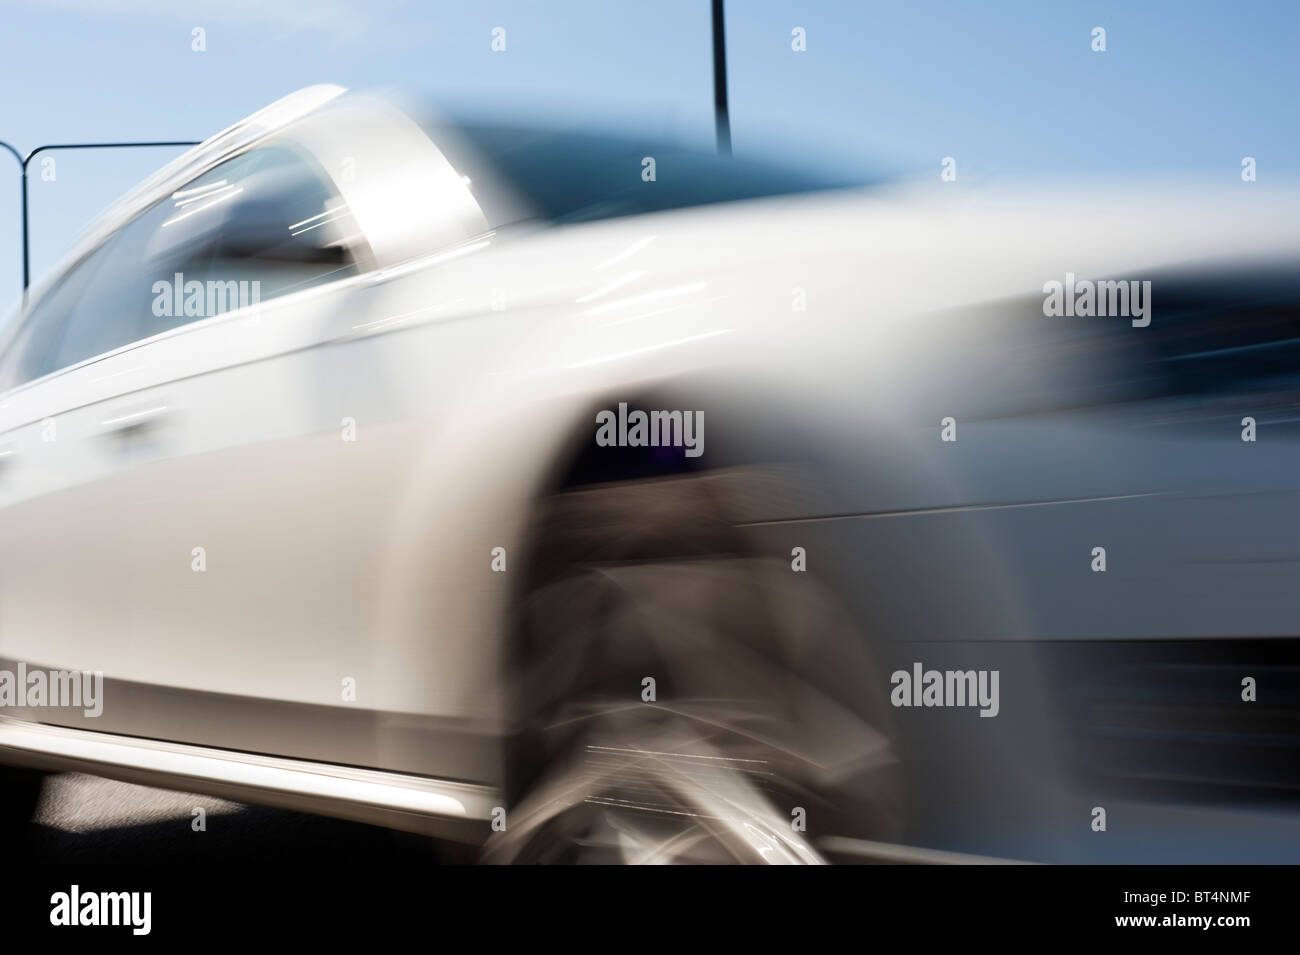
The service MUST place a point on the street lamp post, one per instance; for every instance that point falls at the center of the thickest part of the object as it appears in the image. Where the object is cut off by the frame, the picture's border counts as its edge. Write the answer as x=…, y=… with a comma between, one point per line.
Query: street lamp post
x=25, y=161
x=721, y=118
x=22, y=165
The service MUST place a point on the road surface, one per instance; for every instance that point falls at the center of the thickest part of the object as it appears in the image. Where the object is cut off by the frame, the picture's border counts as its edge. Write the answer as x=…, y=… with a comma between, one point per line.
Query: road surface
x=86, y=820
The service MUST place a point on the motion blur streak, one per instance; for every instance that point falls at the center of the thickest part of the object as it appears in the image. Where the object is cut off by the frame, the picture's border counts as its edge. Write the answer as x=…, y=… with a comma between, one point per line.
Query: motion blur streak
x=353, y=546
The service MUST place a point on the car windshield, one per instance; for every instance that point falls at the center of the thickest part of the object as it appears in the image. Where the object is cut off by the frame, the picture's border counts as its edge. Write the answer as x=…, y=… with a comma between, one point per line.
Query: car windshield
x=567, y=176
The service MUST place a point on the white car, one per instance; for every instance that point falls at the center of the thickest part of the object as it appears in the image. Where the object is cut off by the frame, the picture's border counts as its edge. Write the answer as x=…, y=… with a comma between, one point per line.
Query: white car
x=584, y=498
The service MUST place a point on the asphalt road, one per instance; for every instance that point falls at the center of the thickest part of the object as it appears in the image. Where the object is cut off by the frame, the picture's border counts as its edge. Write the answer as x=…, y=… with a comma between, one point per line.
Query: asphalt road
x=86, y=820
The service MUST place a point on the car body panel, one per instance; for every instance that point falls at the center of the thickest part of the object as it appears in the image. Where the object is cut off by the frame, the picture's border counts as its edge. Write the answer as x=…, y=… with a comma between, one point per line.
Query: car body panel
x=467, y=361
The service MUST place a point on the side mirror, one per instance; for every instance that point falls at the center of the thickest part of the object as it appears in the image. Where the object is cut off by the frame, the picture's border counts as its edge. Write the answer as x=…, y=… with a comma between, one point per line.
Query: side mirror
x=256, y=229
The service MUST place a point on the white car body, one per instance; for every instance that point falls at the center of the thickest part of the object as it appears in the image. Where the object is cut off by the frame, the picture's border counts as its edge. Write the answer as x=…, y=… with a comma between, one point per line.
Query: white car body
x=466, y=363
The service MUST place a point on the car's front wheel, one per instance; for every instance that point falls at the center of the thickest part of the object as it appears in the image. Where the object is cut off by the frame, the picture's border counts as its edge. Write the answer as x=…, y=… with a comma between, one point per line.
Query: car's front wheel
x=680, y=697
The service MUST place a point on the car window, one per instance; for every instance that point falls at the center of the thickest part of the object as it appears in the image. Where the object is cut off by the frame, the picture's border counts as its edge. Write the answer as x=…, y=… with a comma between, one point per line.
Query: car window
x=30, y=350
x=574, y=176
x=261, y=225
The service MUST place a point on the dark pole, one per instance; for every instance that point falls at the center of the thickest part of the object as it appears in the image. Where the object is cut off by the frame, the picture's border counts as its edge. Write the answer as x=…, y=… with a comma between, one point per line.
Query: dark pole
x=26, y=256
x=721, y=119
x=25, y=161
x=23, y=167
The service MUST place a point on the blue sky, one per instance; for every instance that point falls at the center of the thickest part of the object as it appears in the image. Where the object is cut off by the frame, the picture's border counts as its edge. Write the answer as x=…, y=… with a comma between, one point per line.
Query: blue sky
x=1011, y=89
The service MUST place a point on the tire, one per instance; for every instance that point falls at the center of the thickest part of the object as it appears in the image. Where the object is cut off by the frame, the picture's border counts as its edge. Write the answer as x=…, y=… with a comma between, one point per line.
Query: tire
x=767, y=729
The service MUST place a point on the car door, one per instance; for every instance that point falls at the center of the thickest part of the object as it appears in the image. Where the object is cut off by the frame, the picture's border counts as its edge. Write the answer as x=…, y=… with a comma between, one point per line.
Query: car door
x=146, y=428
x=61, y=604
